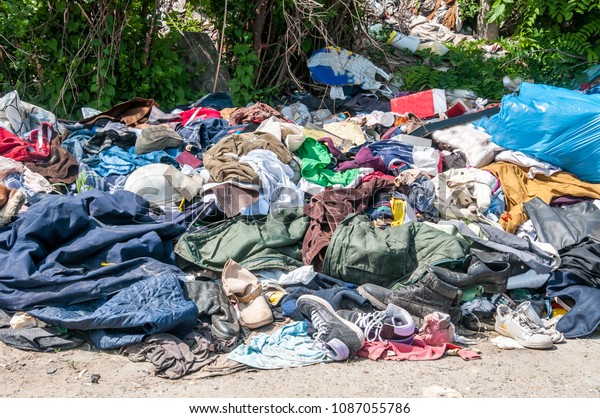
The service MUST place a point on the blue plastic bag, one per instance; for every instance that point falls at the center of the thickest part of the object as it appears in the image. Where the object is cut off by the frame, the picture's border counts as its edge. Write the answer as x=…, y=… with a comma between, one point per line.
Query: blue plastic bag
x=339, y=67
x=556, y=125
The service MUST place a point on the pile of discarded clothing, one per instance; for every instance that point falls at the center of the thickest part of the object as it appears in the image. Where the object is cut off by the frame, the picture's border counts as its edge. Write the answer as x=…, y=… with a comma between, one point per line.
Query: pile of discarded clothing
x=213, y=239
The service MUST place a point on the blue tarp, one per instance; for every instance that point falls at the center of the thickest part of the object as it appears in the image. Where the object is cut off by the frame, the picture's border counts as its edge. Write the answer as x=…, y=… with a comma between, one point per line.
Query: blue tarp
x=556, y=125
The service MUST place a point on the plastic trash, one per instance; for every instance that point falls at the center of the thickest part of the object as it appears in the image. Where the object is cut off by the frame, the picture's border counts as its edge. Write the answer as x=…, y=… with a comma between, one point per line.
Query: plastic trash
x=376, y=7
x=339, y=67
x=401, y=41
x=298, y=113
x=434, y=46
x=396, y=39
x=556, y=125
x=20, y=117
x=321, y=115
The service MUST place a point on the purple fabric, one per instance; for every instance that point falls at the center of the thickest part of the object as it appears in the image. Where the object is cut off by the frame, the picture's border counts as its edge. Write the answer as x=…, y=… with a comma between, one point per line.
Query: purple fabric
x=335, y=151
x=364, y=158
x=568, y=200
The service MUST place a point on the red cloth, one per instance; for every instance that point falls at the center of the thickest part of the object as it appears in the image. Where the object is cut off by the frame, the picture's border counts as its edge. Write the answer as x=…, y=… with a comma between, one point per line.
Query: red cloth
x=197, y=112
x=419, y=350
x=467, y=354
x=377, y=174
x=11, y=146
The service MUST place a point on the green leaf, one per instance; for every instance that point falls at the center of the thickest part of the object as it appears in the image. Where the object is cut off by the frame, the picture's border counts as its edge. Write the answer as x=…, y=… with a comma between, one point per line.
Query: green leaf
x=180, y=94
x=52, y=44
x=496, y=13
x=72, y=27
x=109, y=91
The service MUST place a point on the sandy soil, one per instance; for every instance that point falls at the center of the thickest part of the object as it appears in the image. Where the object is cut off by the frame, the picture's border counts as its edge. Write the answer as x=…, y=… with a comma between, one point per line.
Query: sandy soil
x=569, y=370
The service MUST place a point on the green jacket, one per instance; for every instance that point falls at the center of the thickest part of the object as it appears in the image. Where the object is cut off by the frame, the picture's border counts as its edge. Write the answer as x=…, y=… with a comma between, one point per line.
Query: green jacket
x=360, y=253
x=274, y=241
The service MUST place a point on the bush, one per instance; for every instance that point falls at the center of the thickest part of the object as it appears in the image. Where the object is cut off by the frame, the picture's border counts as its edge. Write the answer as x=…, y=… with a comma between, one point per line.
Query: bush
x=64, y=55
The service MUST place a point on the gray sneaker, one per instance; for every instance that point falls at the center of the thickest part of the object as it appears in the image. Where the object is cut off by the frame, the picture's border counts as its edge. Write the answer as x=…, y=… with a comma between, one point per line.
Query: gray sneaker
x=339, y=337
x=394, y=324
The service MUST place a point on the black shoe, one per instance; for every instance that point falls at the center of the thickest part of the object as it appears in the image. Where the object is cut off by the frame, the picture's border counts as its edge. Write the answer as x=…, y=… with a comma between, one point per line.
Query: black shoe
x=492, y=276
x=428, y=295
x=338, y=336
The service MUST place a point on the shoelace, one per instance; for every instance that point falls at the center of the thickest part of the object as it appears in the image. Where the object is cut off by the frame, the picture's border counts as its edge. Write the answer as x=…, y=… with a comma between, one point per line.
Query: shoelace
x=527, y=322
x=372, y=322
x=555, y=335
x=321, y=326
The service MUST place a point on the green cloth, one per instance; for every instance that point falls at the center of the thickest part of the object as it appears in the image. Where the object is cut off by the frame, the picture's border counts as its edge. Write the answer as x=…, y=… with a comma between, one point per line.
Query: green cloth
x=315, y=158
x=274, y=241
x=471, y=293
x=361, y=253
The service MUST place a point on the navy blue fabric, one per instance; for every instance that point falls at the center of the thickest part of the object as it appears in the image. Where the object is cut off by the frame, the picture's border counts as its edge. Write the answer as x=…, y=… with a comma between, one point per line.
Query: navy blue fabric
x=583, y=318
x=203, y=131
x=198, y=211
x=391, y=150
x=152, y=305
x=340, y=294
x=219, y=100
x=71, y=249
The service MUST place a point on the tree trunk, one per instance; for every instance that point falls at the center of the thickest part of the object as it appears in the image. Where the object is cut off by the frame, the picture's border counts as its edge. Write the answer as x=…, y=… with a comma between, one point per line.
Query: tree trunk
x=150, y=33
x=259, y=24
x=489, y=31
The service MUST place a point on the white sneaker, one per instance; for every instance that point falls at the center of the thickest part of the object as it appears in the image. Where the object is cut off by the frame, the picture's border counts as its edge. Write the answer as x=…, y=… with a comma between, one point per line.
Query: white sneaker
x=517, y=325
x=527, y=309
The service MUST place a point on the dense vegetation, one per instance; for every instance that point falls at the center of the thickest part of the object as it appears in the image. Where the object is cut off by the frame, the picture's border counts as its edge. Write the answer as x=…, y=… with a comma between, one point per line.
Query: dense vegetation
x=65, y=54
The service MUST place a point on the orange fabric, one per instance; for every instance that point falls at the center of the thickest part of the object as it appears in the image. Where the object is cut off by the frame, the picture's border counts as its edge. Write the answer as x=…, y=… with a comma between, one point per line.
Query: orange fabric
x=519, y=188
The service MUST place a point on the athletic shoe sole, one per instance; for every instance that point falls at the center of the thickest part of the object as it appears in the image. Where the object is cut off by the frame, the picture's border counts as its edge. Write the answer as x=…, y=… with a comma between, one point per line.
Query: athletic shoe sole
x=524, y=343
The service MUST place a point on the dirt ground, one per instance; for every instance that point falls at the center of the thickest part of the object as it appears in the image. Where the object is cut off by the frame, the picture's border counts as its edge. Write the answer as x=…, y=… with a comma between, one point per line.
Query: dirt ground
x=569, y=370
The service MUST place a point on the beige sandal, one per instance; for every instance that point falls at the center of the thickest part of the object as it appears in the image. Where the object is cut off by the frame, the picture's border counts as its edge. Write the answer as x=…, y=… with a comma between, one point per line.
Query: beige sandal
x=244, y=289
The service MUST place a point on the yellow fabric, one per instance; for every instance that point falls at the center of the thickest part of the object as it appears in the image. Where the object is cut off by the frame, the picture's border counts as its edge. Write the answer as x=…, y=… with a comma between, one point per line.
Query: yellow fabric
x=398, y=211
x=519, y=188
